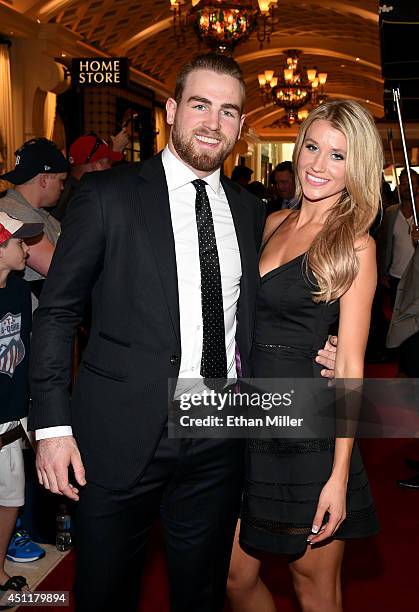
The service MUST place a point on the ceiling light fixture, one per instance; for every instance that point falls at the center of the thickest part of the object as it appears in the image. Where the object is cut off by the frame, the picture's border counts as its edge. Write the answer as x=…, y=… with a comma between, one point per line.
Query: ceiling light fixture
x=293, y=91
x=223, y=24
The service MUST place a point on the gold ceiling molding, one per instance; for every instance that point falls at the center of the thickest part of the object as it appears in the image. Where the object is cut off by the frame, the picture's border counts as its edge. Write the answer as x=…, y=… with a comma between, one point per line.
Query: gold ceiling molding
x=261, y=124
x=12, y=21
x=46, y=10
x=328, y=49
x=50, y=8
x=143, y=35
x=350, y=9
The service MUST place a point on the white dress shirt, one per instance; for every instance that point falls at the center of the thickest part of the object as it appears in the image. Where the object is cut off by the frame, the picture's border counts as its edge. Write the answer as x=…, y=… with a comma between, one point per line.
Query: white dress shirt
x=182, y=209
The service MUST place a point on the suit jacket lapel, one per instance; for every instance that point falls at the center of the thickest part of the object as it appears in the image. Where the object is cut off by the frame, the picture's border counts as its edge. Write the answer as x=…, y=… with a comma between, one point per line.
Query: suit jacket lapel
x=156, y=211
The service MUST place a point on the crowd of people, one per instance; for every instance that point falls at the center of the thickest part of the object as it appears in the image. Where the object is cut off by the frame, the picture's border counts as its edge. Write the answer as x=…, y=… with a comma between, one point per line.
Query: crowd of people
x=280, y=192
x=185, y=281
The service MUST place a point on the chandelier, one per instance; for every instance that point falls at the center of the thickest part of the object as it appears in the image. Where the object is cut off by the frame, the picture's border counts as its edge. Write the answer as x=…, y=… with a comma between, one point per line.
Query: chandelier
x=223, y=24
x=293, y=91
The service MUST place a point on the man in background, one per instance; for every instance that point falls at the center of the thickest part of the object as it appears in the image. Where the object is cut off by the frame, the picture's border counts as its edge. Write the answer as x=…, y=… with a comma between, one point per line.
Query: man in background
x=89, y=153
x=241, y=175
x=38, y=179
x=283, y=188
x=394, y=242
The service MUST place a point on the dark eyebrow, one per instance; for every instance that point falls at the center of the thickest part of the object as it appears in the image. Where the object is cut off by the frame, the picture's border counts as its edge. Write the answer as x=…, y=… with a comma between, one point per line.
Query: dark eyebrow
x=232, y=106
x=206, y=101
x=199, y=99
x=316, y=143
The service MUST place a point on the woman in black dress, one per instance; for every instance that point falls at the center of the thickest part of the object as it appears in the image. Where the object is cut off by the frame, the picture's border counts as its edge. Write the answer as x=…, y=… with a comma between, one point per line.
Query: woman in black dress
x=304, y=498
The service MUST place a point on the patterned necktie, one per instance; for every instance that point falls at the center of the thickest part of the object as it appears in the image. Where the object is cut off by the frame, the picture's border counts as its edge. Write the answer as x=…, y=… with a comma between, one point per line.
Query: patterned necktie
x=214, y=360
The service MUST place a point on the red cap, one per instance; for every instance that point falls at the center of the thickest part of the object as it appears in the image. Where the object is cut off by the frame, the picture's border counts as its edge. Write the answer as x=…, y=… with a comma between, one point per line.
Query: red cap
x=88, y=149
x=10, y=227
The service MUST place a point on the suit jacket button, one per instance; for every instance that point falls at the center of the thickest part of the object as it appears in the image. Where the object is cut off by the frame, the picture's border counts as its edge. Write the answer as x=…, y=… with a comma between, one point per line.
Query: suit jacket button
x=174, y=359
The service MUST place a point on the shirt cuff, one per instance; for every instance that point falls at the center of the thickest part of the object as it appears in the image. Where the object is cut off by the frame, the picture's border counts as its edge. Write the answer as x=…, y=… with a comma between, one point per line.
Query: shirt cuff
x=53, y=432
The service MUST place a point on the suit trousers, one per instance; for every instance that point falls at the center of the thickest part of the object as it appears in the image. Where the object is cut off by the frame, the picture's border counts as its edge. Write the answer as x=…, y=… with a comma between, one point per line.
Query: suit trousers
x=195, y=486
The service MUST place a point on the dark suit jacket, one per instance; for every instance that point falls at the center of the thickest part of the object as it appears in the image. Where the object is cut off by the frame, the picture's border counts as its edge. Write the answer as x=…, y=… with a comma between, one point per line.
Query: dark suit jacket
x=117, y=245
x=385, y=239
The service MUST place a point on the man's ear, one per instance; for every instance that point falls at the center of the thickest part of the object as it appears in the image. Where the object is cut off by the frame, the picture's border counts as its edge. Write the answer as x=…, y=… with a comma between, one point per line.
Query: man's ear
x=42, y=180
x=171, y=107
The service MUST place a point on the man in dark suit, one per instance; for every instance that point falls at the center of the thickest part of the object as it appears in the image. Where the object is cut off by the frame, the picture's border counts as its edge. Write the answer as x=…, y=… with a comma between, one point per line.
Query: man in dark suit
x=168, y=252
x=283, y=188
x=132, y=239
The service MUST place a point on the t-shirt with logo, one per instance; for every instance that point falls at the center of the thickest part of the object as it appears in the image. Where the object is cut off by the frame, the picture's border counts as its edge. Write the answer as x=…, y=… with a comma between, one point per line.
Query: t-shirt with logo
x=15, y=328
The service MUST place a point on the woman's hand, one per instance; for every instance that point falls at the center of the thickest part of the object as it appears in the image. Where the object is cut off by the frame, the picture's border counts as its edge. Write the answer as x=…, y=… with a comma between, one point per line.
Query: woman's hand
x=332, y=500
x=327, y=357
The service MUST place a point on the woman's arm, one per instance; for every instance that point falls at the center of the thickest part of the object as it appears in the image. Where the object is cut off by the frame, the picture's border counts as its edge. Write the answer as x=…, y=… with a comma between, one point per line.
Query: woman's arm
x=354, y=323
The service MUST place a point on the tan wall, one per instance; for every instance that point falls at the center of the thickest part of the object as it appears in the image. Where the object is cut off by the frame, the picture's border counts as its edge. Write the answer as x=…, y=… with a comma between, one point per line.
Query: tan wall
x=33, y=73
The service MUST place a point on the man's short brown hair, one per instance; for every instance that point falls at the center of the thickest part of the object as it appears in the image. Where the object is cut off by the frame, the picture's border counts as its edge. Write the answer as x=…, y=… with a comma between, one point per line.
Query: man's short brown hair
x=223, y=64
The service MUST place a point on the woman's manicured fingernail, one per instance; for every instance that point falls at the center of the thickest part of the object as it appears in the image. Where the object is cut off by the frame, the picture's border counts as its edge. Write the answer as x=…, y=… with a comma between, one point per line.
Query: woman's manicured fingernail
x=315, y=529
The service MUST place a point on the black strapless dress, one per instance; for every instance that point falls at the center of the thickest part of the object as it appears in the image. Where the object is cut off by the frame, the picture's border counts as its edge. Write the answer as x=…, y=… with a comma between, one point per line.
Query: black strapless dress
x=285, y=476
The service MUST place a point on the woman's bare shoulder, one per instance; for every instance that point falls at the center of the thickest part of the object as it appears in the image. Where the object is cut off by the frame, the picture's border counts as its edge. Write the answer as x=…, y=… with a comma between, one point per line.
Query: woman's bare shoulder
x=365, y=245
x=274, y=220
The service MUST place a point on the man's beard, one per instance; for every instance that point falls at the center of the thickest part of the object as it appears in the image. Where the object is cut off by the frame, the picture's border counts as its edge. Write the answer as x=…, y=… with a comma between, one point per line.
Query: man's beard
x=205, y=162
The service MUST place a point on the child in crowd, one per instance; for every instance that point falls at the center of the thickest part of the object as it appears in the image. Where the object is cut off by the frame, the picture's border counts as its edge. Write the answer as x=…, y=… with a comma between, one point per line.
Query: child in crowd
x=15, y=327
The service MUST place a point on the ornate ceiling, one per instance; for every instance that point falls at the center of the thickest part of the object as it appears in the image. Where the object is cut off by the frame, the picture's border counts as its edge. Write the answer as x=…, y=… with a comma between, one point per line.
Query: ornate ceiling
x=331, y=34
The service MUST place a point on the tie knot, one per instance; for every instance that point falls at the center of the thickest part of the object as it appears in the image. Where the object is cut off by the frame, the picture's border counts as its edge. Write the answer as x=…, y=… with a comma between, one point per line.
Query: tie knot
x=199, y=184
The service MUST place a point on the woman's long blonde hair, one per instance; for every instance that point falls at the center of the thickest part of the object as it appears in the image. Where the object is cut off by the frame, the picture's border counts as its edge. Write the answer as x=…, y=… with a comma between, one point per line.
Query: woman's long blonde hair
x=332, y=255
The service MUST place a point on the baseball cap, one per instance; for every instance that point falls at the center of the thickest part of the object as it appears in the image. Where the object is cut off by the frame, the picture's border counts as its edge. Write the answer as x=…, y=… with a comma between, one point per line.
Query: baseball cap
x=91, y=148
x=36, y=156
x=13, y=228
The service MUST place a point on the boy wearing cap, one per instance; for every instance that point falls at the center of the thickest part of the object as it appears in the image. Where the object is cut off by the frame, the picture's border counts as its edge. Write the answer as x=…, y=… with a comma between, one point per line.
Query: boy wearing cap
x=15, y=327
x=38, y=177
